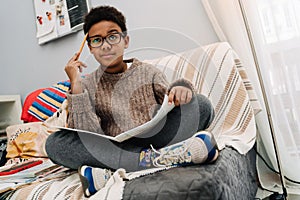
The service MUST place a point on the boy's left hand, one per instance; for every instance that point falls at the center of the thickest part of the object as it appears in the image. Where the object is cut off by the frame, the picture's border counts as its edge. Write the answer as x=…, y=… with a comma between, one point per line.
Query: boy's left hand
x=180, y=95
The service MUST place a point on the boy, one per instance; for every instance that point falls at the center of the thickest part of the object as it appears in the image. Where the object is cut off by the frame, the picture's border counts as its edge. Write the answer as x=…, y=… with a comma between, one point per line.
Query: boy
x=121, y=95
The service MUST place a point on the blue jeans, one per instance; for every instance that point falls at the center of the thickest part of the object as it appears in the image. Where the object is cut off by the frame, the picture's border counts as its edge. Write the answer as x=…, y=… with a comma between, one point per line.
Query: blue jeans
x=73, y=149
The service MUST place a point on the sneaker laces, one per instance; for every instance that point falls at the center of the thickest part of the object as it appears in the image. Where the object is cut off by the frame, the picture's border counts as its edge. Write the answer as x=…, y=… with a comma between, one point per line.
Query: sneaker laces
x=178, y=155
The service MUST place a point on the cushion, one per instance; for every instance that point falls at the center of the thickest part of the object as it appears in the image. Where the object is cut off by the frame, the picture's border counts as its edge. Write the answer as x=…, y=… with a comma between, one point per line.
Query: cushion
x=232, y=176
x=26, y=116
x=49, y=101
x=28, y=140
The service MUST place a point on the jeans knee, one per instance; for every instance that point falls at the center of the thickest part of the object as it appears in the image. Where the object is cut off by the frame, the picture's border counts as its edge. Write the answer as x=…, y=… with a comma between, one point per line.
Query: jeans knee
x=50, y=145
x=206, y=108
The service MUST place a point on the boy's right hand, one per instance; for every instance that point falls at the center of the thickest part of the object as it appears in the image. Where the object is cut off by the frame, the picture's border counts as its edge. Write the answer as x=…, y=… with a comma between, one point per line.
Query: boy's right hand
x=74, y=67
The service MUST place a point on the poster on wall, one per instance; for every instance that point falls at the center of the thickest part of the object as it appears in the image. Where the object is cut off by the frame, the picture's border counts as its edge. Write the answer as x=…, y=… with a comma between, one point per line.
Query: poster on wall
x=57, y=18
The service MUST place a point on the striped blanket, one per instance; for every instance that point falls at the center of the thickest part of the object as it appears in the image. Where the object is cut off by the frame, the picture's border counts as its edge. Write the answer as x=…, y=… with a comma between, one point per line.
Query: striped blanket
x=216, y=72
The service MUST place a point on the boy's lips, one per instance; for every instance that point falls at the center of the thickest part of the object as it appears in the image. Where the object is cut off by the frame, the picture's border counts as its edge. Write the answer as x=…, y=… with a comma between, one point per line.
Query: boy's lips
x=109, y=55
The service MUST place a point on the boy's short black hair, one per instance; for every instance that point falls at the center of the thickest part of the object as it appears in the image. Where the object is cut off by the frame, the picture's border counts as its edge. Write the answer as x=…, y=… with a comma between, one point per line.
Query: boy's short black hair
x=104, y=13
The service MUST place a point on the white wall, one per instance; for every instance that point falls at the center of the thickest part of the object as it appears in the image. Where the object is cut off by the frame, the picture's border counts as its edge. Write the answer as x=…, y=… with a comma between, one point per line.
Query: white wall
x=156, y=28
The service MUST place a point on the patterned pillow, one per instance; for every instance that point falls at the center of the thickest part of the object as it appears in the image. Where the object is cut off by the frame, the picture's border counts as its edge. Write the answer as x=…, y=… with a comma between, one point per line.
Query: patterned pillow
x=26, y=116
x=49, y=101
x=28, y=140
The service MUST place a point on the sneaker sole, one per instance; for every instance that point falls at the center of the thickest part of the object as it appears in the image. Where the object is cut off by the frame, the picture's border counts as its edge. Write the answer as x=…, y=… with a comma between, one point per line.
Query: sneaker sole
x=84, y=181
x=215, y=157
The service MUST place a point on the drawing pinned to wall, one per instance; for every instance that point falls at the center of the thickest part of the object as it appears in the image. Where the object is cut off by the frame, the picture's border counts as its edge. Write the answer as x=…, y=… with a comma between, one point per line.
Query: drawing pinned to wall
x=57, y=18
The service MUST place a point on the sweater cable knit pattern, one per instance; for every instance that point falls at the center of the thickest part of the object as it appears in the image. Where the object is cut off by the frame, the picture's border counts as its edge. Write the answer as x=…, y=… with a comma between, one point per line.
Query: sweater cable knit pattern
x=114, y=103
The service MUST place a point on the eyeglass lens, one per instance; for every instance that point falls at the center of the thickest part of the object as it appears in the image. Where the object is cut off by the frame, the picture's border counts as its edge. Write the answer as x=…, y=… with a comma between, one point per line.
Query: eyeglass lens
x=111, y=39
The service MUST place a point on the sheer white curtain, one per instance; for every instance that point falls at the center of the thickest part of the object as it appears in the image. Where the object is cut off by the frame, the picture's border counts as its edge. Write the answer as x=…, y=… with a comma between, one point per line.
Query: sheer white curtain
x=275, y=30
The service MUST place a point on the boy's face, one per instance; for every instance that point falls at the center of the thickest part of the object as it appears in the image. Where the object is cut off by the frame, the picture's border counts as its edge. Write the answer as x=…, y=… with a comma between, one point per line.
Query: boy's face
x=108, y=55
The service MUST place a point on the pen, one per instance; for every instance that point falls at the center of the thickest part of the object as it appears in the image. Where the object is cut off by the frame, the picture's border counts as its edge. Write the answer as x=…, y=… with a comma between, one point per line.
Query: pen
x=81, y=46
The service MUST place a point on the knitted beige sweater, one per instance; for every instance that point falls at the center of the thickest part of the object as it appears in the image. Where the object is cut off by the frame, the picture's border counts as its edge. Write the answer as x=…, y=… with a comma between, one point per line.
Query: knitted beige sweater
x=114, y=103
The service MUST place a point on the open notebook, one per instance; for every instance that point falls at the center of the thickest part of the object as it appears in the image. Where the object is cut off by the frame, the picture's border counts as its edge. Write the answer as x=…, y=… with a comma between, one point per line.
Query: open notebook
x=162, y=112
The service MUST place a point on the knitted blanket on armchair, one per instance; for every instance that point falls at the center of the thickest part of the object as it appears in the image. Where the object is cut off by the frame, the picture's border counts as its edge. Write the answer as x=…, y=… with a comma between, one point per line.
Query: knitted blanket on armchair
x=216, y=72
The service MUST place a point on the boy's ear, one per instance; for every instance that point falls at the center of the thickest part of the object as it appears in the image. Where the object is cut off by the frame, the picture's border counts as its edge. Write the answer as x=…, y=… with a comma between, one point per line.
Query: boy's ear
x=126, y=40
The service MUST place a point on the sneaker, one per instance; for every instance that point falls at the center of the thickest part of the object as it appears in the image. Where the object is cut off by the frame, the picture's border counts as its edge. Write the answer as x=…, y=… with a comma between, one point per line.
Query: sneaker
x=200, y=148
x=93, y=179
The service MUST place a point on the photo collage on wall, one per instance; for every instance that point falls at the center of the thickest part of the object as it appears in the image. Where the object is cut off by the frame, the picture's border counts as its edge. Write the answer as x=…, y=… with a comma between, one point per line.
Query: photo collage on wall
x=57, y=18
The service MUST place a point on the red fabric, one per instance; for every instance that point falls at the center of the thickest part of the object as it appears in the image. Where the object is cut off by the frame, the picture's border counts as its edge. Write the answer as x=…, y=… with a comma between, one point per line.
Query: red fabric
x=25, y=116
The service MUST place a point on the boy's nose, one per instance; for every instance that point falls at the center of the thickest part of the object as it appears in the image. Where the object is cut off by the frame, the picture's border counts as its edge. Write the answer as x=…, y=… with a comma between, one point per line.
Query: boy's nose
x=106, y=45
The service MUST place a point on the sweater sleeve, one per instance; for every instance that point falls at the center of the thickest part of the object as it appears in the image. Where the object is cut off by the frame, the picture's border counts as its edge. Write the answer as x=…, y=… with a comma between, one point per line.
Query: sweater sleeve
x=81, y=111
x=160, y=86
x=182, y=82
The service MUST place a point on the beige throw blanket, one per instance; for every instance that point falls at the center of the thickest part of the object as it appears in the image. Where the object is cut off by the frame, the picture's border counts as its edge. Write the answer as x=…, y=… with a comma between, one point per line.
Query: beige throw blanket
x=216, y=71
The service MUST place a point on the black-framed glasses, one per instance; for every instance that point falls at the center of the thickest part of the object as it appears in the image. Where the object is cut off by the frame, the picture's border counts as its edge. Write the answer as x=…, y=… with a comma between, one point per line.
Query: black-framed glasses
x=112, y=38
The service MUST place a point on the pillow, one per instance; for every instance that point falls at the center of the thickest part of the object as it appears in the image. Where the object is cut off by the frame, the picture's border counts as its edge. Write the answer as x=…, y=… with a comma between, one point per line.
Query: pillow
x=49, y=101
x=28, y=140
x=26, y=116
